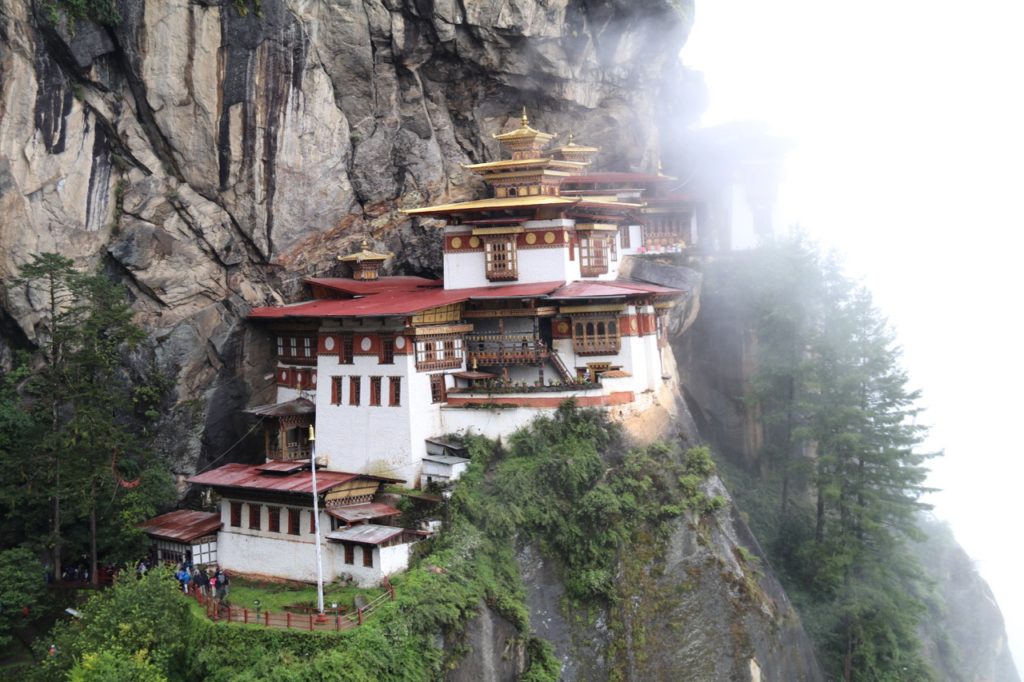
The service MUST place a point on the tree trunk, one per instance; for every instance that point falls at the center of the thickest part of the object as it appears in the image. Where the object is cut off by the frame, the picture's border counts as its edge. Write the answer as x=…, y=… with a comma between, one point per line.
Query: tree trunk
x=819, y=523
x=57, y=570
x=848, y=657
x=93, y=563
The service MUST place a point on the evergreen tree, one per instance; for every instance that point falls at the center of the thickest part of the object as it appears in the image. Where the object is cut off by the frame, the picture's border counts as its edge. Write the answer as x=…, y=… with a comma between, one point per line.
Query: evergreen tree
x=842, y=439
x=96, y=415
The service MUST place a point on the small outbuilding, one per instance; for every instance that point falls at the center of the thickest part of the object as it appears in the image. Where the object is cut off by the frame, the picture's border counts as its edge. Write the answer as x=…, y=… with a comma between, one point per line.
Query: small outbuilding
x=184, y=534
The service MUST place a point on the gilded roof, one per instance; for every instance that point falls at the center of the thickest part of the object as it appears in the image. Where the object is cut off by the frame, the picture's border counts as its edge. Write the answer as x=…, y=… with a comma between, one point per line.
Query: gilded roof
x=536, y=200
x=364, y=254
x=524, y=131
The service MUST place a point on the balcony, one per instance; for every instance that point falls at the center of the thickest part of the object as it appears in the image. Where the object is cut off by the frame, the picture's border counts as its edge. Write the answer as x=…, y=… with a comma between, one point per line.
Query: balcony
x=289, y=452
x=488, y=350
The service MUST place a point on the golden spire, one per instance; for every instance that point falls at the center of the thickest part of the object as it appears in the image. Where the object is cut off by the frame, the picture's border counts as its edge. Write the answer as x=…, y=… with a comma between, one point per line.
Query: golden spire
x=524, y=119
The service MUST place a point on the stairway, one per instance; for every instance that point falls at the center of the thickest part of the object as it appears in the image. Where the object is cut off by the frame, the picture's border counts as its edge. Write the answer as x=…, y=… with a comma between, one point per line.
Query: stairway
x=560, y=367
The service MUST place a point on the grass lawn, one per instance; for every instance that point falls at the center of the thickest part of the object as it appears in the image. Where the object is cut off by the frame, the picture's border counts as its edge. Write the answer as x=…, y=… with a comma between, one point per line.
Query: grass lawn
x=275, y=596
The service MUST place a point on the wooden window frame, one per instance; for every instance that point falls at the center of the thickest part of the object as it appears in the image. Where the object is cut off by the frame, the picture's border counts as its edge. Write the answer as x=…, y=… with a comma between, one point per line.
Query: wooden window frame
x=312, y=522
x=236, y=514
x=439, y=352
x=354, y=384
x=350, y=554
x=501, y=262
x=367, y=556
x=375, y=391
x=296, y=348
x=274, y=519
x=386, y=350
x=593, y=254
x=347, y=350
x=254, y=516
x=438, y=389
x=395, y=392
x=336, y=389
x=293, y=521
x=596, y=335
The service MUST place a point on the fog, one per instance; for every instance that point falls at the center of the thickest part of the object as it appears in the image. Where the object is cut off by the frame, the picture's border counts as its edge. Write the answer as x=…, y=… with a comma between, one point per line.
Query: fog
x=907, y=117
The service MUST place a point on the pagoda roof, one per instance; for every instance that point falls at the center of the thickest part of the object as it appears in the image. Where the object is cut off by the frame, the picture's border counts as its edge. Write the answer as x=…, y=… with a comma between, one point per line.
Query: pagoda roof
x=524, y=131
x=182, y=525
x=397, y=303
x=495, y=203
x=364, y=254
x=543, y=162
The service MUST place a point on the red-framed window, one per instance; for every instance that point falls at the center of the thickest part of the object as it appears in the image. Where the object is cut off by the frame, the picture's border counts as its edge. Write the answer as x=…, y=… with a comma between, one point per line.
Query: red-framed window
x=336, y=390
x=395, y=399
x=386, y=350
x=347, y=350
x=375, y=386
x=236, y=514
x=293, y=521
x=350, y=554
x=274, y=519
x=353, y=390
x=254, y=516
x=367, y=556
x=438, y=393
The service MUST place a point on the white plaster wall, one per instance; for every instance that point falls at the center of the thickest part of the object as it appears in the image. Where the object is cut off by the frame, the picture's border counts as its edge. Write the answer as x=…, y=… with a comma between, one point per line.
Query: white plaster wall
x=468, y=269
x=386, y=561
x=425, y=419
x=287, y=556
x=364, y=438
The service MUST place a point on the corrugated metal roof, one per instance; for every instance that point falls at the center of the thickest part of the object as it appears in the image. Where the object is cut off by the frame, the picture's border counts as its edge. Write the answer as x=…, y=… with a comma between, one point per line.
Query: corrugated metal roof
x=365, y=534
x=393, y=303
x=182, y=525
x=286, y=409
x=363, y=512
x=249, y=477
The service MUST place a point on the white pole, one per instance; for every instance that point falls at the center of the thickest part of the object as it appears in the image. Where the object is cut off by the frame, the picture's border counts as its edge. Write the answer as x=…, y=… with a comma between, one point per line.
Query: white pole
x=316, y=526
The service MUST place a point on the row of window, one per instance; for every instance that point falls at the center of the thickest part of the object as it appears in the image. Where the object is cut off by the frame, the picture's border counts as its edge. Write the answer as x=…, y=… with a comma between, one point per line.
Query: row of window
x=355, y=391
x=438, y=392
x=293, y=517
x=303, y=348
x=501, y=255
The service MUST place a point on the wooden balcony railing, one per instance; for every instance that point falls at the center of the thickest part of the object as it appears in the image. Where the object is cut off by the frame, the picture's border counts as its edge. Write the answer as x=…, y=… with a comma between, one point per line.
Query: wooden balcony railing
x=505, y=349
x=291, y=451
x=597, y=346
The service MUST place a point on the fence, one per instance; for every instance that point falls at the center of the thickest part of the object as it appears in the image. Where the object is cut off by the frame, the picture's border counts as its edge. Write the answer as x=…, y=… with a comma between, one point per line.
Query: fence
x=313, y=622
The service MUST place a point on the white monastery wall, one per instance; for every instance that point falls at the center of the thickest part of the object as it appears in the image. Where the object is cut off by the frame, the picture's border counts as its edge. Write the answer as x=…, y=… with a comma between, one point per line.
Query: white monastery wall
x=281, y=555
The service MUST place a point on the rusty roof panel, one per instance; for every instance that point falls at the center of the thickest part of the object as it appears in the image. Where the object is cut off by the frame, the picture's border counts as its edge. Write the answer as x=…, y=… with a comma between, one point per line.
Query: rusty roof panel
x=365, y=287
x=291, y=408
x=250, y=477
x=182, y=525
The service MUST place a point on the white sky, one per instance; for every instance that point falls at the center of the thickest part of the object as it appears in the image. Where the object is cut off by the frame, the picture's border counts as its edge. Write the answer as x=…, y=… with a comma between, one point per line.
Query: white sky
x=908, y=117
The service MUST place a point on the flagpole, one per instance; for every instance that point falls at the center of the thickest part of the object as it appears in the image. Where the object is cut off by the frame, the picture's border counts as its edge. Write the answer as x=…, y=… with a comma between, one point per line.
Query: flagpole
x=316, y=527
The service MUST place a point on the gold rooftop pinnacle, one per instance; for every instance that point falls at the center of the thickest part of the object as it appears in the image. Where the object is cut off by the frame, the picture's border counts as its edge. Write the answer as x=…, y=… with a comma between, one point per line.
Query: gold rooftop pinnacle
x=365, y=263
x=524, y=119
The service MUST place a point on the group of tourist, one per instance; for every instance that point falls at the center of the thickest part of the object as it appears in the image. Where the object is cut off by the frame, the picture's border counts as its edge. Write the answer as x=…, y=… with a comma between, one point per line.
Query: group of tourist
x=207, y=582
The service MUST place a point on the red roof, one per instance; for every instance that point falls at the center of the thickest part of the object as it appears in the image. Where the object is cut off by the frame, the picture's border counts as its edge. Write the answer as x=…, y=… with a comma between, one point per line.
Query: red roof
x=249, y=477
x=605, y=178
x=393, y=303
x=610, y=289
x=377, y=286
x=286, y=466
x=182, y=525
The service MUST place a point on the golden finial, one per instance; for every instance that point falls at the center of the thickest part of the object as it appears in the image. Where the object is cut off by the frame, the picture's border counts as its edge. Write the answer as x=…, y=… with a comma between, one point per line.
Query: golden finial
x=474, y=364
x=524, y=119
x=571, y=136
x=366, y=244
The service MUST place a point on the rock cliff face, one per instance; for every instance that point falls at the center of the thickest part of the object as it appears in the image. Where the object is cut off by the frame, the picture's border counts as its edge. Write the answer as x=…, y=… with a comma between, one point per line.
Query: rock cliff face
x=210, y=158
